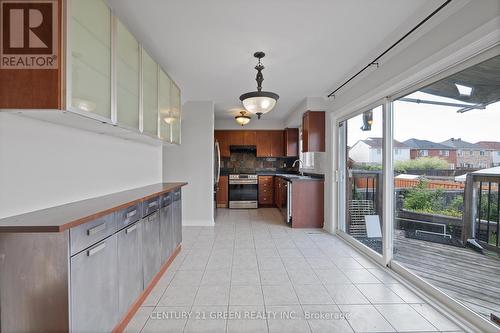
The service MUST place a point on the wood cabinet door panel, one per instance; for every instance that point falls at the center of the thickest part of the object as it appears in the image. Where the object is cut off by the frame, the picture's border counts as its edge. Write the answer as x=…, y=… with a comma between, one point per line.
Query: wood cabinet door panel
x=223, y=138
x=222, y=192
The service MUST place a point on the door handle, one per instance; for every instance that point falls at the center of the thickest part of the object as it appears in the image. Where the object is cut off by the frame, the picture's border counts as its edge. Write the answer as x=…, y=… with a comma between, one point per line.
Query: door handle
x=96, y=249
x=131, y=213
x=130, y=229
x=96, y=229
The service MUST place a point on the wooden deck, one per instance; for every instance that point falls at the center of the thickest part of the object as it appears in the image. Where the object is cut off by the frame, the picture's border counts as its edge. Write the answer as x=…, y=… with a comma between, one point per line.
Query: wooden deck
x=468, y=276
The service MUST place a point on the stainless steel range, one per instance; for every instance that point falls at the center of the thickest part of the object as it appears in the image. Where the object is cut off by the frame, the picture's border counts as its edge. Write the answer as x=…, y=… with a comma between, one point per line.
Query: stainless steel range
x=243, y=191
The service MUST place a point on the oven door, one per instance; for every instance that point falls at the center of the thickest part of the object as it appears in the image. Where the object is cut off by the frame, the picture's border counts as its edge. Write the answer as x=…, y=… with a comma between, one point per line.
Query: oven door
x=243, y=195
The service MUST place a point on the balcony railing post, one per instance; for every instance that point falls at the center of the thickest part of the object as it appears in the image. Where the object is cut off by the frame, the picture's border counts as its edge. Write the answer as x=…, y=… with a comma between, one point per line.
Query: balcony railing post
x=468, y=230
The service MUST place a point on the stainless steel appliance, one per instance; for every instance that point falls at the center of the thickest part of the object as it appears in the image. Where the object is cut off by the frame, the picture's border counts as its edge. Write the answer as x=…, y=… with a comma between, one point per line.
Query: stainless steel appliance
x=288, y=202
x=216, y=174
x=243, y=191
x=284, y=198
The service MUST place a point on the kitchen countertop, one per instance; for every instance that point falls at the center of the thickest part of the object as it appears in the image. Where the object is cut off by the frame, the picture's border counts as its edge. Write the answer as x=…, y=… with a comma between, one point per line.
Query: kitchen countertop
x=295, y=177
x=60, y=218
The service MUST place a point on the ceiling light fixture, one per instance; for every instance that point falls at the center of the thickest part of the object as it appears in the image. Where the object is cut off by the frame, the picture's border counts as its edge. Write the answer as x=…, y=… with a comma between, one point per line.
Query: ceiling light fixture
x=259, y=102
x=464, y=90
x=242, y=119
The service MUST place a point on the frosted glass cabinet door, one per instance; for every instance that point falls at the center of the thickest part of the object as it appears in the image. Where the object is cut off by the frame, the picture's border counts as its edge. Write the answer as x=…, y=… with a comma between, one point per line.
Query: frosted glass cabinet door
x=90, y=43
x=166, y=116
x=150, y=94
x=175, y=100
x=127, y=77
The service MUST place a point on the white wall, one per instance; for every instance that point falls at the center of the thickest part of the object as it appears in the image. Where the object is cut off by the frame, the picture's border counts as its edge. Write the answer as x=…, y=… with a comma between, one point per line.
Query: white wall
x=263, y=123
x=193, y=162
x=44, y=165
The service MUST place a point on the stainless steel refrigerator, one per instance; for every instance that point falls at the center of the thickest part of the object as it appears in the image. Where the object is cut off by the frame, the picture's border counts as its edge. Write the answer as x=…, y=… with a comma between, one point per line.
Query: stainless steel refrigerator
x=216, y=174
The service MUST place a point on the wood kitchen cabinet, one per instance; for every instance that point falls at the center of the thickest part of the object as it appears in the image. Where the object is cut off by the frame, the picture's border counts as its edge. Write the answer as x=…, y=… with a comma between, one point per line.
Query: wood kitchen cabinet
x=266, y=190
x=270, y=143
x=223, y=138
x=313, y=131
x=223, y=192
x=291, y=142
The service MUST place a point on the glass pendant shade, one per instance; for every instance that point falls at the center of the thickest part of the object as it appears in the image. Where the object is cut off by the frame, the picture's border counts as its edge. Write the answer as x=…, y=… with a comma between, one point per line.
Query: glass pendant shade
x=242, y=119
x=258, y=104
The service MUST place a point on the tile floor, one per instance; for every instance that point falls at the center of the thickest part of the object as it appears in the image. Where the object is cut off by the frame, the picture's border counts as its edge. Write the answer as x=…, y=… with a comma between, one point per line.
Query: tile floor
x=252, y=273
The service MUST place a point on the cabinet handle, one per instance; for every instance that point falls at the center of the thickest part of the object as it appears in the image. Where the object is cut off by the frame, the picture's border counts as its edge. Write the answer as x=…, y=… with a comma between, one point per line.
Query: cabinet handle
x=96, y=249
x=130, y=229
x=96, y=229
x=152, y=204
x=131, y=213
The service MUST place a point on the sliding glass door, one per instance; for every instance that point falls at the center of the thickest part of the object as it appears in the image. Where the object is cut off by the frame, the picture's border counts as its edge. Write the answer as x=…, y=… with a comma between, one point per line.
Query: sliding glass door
x=362, y=145
x=441, y=186
x=446, y=219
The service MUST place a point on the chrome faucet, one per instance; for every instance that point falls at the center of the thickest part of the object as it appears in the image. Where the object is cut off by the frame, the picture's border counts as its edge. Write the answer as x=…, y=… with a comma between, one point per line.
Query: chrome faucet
x=300, y=164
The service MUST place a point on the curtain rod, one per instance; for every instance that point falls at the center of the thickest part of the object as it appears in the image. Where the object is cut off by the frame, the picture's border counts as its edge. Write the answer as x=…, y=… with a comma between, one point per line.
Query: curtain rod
x=374, y=61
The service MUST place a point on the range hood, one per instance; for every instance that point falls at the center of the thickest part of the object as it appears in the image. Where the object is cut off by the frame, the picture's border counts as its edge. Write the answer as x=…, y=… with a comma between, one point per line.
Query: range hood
x=243, y=149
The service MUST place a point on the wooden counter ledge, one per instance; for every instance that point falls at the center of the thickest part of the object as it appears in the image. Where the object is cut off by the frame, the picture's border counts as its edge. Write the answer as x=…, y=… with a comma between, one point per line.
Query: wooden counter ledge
x=60, y=218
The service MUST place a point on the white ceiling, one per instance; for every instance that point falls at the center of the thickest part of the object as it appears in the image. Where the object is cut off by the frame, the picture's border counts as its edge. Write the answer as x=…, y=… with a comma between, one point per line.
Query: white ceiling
x=208, y=46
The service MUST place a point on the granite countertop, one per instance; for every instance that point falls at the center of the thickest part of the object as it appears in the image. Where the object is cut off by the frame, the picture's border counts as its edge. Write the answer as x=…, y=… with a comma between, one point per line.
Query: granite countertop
x=60, y=218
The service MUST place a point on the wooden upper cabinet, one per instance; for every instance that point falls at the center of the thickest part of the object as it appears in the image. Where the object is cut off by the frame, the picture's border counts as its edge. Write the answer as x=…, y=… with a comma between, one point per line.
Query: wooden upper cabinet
x=250, y=138
x=269, y=143
x=291, y=138
x=28, y=88
x=313, y=131
x=264, y=144
x=236, y=138
x=223, y=138
x=277, y=144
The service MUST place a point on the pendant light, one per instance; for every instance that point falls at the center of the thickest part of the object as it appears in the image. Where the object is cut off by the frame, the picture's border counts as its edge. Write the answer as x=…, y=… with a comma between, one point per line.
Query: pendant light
x=242, y=118
x=259, y=102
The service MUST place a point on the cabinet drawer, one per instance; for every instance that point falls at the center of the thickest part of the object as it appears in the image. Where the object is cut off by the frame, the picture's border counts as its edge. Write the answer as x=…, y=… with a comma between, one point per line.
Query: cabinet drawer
x=127, y=216
x=149, y=206
x=266, y=199
x=92, y=232
x=177, y=195
x=166, y=199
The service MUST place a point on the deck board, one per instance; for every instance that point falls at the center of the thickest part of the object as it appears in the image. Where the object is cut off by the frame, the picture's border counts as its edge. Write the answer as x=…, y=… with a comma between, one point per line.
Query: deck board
x=466, y=275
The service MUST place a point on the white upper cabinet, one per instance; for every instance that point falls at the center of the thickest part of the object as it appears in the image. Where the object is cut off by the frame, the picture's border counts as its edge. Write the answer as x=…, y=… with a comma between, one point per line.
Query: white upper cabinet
x=90, y=43
x=127, y=77
x=150, y=94
x=111, y=77
x=165, y=113
x=175, y=100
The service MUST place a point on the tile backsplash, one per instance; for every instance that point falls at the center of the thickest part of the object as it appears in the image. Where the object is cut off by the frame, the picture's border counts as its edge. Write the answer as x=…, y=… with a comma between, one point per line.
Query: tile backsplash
x=248, y=162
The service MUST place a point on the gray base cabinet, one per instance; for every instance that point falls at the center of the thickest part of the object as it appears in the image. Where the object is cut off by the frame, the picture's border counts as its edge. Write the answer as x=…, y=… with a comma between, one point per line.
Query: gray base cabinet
x=166, y=232
x=177, y=217
x=86, y=277
x=130, y=284
x=94, y=291
x=151, y=257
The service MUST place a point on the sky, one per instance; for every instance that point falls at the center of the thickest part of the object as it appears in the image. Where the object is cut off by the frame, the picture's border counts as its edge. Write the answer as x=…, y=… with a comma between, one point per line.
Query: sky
x=432, y=122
